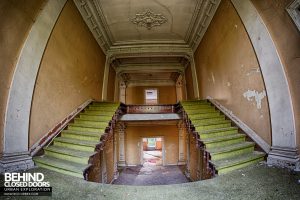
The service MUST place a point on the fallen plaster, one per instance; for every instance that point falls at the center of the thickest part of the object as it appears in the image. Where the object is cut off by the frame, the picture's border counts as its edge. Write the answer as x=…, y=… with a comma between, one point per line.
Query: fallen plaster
x=257, y=96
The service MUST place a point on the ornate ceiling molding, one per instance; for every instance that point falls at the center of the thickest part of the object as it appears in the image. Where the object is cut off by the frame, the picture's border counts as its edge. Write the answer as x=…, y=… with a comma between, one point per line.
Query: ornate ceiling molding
x=92, y=14
x=95, y=22
x=204, y=12
x=149, y=19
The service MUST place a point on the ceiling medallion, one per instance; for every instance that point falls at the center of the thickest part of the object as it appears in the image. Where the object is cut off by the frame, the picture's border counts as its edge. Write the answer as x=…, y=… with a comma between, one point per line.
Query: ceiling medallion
x=148, y=19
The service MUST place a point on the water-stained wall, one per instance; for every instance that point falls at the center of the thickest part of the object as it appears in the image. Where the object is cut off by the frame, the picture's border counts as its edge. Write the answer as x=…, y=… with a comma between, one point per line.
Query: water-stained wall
x=17, y=18
x=228, y=71
x=71, y=72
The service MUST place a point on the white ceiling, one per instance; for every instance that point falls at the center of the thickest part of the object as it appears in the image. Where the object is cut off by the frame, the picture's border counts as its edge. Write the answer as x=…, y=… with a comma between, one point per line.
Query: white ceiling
x=112, y=22
x=148, y=40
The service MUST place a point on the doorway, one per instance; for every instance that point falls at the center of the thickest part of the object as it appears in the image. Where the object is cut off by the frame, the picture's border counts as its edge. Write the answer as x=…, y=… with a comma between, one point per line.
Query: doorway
x=152, y=151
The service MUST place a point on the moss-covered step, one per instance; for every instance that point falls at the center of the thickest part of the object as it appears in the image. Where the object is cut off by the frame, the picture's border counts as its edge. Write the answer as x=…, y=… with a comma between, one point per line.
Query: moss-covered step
x=224, y=140
x=212, y=126
x=218, y=132
x=231, y=150
x=209, y=120
x=60, y=165
x=81, y=128
x=87, y=124
x=204, y=115
x=199, y=111
x=65, y=153
x=83, y=145
x=193, y=102
x=79, y=135
x=99, y=113
x=237, y=162
x=100, y=118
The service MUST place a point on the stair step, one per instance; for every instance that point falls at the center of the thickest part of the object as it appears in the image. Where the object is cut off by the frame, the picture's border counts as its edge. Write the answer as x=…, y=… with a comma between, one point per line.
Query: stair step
x=84, y=145
x=224, y=124
x=227, y=165
x=231, y=150
x=87, y=122
x=62, y=166
x=204, y=115
x=223, y=140
x=208, y=120
x=200, y=111
x=85, y=129
x=81, y=135
x=98, y=103
x=69, y=154
x=104, y=108
x=194, y=102
x=218, y=132
x=97, y=125
x=99, y=113
x=211, y=122
x=94, y=117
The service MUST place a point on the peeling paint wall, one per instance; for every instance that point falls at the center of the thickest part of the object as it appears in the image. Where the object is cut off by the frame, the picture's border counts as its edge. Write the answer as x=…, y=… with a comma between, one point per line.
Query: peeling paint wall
x=287, y=40
x=228, y=71
x=71, y=72
x=17, y=18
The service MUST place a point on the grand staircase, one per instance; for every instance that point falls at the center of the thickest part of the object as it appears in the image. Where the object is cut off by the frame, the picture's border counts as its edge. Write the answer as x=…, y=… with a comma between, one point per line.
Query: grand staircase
x=228, y=148
x=70, y=152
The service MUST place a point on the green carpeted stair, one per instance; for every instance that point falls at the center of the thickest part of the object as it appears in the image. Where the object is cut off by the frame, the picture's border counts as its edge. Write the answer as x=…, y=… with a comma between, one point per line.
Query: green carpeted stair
x=70, y=152
x=227, y=147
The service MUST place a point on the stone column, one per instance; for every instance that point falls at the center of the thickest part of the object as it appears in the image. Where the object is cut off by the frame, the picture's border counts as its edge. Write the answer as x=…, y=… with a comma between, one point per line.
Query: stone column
x=116, y=173
x=104, y=171
x=105, y=78
x=194, y=76
x=122, y=89
x=179, y=94
x=181, y=159
x=121, y=130
x=187, y=139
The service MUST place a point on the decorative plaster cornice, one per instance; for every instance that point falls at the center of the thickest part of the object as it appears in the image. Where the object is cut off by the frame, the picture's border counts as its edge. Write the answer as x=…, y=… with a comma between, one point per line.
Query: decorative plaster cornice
x=151, y=51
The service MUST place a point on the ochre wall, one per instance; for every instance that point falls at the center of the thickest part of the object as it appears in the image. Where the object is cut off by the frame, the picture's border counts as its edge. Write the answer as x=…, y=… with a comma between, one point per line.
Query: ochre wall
x=133, y=142
x=189, y=83
x=71, y=72
x=227, y=68
x=287, y=40
x=111, y=85
x=17, y=18
x=136, y=95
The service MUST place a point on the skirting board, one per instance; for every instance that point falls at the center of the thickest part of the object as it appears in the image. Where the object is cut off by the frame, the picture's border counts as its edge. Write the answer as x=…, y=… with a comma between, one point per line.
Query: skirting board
x=254, y=136
x=57, y=129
